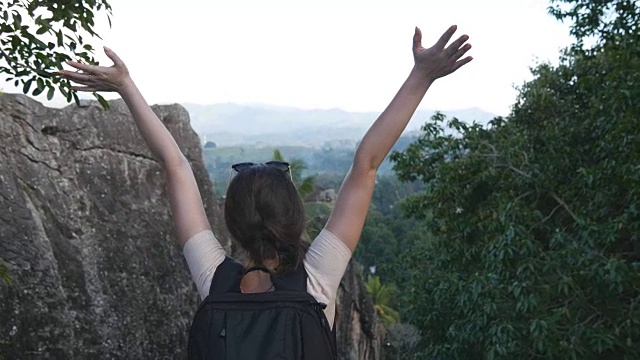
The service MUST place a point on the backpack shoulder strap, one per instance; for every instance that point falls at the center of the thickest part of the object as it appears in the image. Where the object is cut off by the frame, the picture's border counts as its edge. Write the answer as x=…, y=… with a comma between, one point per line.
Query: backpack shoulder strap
x=229, y=273
x=292, y=280
x=227, y=276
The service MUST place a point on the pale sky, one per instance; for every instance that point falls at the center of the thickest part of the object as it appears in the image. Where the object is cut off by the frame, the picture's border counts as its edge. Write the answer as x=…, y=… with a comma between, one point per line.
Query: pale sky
x=323, y=54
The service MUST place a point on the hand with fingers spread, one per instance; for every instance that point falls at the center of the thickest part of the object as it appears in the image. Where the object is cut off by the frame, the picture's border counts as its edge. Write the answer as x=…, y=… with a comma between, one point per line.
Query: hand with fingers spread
x=98, y=78
x=440, y=60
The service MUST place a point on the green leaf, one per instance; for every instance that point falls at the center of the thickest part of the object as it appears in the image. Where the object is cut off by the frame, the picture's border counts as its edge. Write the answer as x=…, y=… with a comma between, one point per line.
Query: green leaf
x=50, y=93
x=37, y=91
x=33, y=5
x=104, y=103
x=27, y=86
x=40, y=85
x=17, y=21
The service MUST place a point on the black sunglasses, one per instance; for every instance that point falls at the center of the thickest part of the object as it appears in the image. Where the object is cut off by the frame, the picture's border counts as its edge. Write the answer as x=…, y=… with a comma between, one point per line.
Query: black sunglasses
x=278, y=165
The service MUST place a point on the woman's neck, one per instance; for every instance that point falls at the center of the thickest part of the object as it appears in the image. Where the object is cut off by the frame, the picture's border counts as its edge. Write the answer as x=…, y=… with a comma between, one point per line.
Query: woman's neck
x=258, y=281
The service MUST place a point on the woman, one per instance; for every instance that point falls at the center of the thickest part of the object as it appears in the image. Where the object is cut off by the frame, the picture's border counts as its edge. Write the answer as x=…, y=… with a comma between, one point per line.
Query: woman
x=263, y=211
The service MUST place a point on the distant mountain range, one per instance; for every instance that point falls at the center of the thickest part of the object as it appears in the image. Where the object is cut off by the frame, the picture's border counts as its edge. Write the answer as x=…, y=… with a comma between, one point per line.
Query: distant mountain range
x=236, y=124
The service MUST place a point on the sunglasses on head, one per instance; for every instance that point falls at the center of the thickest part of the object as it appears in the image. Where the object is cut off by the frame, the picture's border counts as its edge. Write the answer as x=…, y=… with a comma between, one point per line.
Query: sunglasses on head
x=278, y=165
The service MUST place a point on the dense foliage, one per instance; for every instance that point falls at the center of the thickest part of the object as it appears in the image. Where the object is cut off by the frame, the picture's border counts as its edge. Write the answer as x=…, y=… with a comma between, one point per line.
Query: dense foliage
x=535, y=220
x=37, y=37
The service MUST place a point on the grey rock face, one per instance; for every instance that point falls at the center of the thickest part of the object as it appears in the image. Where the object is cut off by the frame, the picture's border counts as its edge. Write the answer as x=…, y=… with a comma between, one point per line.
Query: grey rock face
x=358, y=328
x=85, y=228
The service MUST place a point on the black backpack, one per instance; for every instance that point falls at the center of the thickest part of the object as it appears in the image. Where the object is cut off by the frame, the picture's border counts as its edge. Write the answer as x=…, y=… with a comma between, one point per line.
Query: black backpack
x=285, y=324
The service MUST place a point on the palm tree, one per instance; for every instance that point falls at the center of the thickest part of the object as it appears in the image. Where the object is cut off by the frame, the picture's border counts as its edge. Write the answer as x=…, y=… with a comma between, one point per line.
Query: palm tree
x=4, y=273
x=382, y=296
x=306, y=185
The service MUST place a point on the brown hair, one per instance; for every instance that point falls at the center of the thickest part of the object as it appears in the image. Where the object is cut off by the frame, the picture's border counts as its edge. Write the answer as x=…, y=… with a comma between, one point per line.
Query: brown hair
x=264, y=213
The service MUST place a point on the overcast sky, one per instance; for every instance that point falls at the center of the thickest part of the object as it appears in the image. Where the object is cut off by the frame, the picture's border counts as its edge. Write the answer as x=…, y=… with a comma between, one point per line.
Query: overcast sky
x=347, y=54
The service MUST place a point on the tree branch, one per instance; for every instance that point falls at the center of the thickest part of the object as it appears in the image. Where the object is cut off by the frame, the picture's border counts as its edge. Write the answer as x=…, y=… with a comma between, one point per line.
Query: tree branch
x=565, y=206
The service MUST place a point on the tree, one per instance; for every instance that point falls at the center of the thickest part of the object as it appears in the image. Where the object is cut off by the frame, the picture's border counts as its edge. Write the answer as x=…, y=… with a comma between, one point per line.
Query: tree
x=605, y=21
x=535, y=219
x=382, y=296
x=389, y=191
x=305, y=185
x=37, y=37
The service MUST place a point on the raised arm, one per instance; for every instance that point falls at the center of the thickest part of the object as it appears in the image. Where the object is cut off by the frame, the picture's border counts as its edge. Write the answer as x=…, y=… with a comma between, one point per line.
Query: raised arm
x=189, y=216
x=352, y=205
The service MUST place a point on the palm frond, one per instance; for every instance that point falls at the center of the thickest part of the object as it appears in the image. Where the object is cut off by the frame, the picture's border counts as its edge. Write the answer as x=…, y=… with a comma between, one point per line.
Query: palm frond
x=4, y=273
x=277, y=155
x=382, y=296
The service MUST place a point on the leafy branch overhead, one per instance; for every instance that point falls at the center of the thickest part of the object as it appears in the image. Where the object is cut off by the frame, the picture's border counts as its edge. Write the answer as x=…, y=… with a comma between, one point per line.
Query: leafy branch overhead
x=38, y=37
x=606, y=21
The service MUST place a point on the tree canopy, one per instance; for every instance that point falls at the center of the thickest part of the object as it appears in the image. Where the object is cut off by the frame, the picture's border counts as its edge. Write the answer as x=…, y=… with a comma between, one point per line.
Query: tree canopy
x=535, y=219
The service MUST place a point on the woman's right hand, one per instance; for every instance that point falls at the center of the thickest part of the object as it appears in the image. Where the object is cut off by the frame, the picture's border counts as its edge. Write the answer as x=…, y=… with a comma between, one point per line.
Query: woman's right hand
x=99, y=78
x=440, y=60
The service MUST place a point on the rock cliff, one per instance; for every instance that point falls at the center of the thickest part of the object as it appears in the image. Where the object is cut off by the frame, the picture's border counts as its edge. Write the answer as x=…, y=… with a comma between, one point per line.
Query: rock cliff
x=86, y=231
